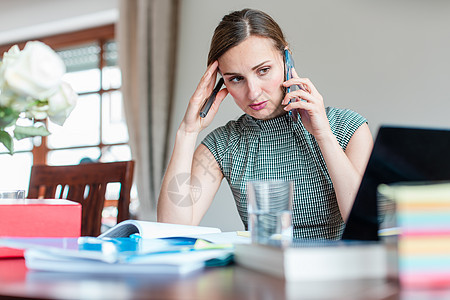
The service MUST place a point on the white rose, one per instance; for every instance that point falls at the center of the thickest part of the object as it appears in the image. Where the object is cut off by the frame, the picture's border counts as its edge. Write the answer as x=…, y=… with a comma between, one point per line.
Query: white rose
x=11, y=55
x=8, y=58
x=37, y=111
x=5, y=97
x=36, y=71
x=61, y=104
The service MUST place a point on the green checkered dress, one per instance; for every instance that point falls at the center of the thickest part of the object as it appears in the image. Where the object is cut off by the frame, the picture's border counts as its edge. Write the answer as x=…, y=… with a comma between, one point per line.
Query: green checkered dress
x=251, y=149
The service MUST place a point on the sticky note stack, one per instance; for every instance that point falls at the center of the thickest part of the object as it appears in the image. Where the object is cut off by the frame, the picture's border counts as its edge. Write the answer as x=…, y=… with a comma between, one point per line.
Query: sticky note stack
x=423, y=218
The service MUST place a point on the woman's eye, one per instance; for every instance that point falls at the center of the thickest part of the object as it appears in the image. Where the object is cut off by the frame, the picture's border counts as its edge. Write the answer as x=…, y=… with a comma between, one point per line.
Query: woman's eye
x=236, y=79
x=263, y=71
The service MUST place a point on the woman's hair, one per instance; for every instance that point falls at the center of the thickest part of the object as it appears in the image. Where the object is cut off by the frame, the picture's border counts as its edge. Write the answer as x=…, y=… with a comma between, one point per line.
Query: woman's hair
x=239, y=25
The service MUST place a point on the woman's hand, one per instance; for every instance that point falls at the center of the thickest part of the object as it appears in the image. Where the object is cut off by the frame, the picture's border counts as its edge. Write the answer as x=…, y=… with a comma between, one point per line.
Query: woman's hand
x=192, y=122
x=345, y=168
x=185, y=161
x=309, y=104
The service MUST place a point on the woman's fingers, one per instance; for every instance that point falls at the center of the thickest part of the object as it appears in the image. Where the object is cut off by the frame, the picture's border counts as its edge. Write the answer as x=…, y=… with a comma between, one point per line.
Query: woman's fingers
x=302, y=94
x=221, y=95
x=299, y=104
x=207, y=82
x=215, y=106
x=304, y=83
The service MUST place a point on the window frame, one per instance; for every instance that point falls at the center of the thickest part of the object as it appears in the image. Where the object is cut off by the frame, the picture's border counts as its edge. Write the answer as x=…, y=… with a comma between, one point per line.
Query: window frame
x=100, y=35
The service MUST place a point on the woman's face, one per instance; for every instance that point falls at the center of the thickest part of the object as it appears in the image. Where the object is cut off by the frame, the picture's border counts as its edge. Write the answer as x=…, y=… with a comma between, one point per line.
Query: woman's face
x=254, y=72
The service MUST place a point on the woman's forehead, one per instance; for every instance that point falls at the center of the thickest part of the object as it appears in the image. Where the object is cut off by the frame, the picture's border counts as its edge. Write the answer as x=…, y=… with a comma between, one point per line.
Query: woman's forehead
x=251, y=52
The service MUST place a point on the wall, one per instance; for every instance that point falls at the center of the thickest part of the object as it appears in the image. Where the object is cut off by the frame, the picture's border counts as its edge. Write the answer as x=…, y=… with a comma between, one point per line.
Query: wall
x=387, y=60
x=26, y=19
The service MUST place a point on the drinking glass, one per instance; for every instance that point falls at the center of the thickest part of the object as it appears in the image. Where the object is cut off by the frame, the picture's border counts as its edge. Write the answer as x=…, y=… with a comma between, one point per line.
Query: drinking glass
x=270, y=210
x=12, y=194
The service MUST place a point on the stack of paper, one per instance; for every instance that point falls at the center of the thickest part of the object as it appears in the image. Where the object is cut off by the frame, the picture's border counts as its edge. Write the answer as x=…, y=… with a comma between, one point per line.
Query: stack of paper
x=423, y=217
x=130, y=247
x=178, y=255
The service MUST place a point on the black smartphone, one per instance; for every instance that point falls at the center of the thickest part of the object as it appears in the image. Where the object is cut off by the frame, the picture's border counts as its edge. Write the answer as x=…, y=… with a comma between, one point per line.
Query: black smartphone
x=211, y=98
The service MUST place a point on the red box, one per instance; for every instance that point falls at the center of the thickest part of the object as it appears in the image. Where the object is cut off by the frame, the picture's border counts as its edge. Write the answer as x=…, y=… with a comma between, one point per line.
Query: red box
x=38, y=218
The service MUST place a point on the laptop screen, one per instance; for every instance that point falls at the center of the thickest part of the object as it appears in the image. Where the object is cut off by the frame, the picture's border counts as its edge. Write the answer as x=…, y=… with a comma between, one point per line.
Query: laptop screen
x=400, y=154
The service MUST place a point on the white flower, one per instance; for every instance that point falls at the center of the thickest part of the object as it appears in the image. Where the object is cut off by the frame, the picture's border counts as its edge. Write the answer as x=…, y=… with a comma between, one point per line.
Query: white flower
x=12, y=54
x=36, y=109
x=61, y=104
x=8, y=59
x=36, y=71
x=6, y=96
x=31, y=87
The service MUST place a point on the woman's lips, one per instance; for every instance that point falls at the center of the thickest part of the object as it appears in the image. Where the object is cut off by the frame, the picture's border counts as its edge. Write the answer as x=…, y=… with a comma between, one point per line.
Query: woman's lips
x=259, y=105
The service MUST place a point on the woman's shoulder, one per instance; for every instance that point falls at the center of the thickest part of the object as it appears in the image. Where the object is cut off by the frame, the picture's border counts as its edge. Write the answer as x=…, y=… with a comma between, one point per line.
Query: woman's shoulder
x=222, y=138
x=225, y=133
x=344, y=123
x=230, y=128
x=339, y=117
x=341, y=113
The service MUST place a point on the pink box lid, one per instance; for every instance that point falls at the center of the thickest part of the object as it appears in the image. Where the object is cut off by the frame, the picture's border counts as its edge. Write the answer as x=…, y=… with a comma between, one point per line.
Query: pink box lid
x=37, y=202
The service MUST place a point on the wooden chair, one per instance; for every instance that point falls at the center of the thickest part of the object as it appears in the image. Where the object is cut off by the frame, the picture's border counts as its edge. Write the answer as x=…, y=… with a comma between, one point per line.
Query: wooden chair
x=86, y=184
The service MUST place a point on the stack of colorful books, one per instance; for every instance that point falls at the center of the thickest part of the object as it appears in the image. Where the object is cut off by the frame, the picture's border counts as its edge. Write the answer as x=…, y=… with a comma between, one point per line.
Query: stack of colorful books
x=423, y=219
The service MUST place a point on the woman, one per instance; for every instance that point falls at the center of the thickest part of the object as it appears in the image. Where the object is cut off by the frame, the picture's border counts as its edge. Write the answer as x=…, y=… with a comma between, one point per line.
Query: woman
x=324, y=153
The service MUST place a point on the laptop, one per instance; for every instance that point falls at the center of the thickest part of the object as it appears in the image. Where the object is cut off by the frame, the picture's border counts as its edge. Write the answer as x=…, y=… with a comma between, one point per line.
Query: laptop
x=400, y=154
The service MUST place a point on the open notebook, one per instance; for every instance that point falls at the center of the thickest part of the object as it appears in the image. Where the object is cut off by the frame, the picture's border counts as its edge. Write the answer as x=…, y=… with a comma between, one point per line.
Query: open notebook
x=129, y=247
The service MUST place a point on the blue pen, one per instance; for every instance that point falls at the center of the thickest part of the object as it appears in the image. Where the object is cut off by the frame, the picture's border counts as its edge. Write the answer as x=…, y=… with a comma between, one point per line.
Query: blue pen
x=193, y=244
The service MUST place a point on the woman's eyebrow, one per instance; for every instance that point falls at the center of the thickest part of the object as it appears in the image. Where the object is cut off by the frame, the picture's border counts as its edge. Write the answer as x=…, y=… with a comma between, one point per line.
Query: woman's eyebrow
x=254, y=68
x=259, y=65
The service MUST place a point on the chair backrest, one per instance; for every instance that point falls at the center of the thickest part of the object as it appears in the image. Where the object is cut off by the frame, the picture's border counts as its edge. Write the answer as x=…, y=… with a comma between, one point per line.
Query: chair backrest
x=85, y=184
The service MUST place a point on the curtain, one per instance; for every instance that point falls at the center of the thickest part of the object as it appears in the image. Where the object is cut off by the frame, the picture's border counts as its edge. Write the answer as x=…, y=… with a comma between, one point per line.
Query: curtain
x=146, y=36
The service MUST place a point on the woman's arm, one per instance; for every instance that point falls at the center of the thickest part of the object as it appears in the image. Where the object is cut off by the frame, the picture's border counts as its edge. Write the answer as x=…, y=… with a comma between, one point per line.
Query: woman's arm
x=190, y=183
x=187, y=190
x=345, y=168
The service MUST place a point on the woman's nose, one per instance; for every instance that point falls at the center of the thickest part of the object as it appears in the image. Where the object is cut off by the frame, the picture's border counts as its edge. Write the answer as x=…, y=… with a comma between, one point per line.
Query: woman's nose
x=254, y=90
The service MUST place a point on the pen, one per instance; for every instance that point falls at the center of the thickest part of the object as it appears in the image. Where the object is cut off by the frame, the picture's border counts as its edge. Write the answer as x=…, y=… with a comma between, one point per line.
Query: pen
x=211, y=99
x=200, y=245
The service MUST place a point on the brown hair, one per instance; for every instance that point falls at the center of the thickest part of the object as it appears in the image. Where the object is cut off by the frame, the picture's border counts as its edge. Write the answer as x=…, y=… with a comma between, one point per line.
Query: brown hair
x=239, y=25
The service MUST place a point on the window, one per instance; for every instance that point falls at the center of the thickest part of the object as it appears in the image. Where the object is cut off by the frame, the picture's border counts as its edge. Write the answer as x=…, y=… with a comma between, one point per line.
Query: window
x=96, y=129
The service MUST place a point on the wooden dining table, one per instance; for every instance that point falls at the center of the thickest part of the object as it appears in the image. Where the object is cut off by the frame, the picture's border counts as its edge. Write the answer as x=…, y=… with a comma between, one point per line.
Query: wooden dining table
x=230, y=282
